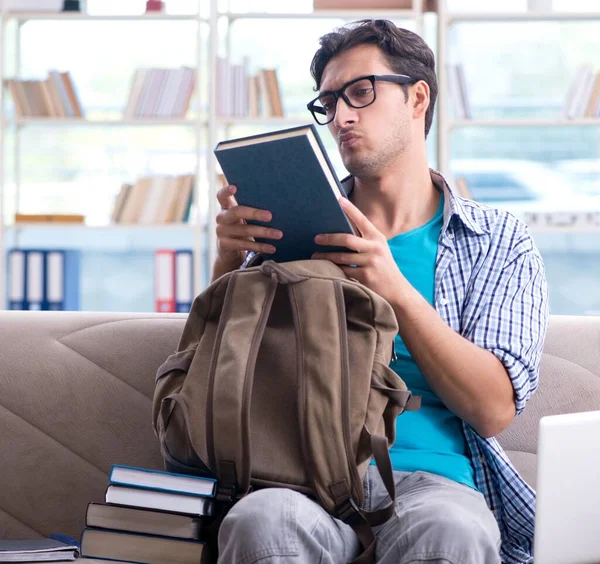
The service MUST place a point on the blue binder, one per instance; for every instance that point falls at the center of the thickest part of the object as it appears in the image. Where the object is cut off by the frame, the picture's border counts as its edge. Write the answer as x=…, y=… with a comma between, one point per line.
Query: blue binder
x=184, y=280
x=62, y=285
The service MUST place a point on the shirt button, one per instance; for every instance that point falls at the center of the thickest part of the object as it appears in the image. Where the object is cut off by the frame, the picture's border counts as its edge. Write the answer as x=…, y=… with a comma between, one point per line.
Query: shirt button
x=451, y=235
x=442, y=302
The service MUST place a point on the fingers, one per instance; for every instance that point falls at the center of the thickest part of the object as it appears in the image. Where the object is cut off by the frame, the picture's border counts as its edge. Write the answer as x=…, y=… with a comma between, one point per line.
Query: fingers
x=244, y=230
x=229, y=245
x=238, y=214
x=225, y=197
x=351, y=242
x=347, y=259
x=360, y=220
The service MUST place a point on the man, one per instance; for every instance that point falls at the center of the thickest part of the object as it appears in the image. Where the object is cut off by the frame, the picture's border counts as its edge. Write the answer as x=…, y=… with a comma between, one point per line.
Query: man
x=469, y=292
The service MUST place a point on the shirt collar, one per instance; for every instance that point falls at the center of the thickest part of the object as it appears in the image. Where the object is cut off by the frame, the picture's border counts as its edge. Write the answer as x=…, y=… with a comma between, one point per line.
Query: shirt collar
x=453, y=206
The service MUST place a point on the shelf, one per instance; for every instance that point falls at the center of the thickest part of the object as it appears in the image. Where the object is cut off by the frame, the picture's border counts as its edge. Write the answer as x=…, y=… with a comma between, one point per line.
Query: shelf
x=522, y=16
x=323, y=14
x=101, y=238
x=70, y=16
x=111, y=227
x=82, y=122
x=535, y=122
x=283, y=121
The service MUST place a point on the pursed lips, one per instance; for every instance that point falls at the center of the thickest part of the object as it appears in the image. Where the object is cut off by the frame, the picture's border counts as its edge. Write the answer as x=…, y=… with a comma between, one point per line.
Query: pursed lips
x=347, y=138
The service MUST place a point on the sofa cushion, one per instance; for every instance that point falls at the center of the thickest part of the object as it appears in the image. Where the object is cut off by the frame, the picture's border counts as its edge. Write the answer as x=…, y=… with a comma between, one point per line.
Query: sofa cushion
x=569, y=382
x=76, y=398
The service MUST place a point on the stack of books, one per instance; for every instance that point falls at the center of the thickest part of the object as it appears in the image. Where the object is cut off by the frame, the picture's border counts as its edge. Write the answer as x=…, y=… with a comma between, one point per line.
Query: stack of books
x=149, y=517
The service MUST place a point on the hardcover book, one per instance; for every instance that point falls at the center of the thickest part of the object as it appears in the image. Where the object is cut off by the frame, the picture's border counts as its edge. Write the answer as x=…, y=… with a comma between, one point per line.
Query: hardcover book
x=288, y=173
x=130, y=547
x=160, y=480
x=164, y=501
x=148, y=521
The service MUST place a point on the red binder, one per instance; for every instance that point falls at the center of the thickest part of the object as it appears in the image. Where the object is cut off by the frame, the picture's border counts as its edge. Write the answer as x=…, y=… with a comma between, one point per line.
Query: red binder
x=164, y=280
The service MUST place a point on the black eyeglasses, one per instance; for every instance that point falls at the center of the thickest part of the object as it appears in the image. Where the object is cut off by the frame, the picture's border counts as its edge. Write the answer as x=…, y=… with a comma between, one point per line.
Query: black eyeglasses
x=358, y=93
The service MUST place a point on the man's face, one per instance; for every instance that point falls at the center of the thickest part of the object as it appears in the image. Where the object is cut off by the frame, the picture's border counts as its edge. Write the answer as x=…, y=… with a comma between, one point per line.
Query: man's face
x=369, y=138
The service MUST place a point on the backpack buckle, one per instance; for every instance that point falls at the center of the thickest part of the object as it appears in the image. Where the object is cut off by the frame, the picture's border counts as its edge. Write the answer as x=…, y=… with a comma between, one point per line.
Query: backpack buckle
x=348, y=512
x=226, y=494
x=229, y=494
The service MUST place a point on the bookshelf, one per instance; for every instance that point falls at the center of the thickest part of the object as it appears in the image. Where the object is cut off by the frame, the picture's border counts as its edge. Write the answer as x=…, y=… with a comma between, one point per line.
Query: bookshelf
x=208, y=129
x=447, y=123
x=109, y=237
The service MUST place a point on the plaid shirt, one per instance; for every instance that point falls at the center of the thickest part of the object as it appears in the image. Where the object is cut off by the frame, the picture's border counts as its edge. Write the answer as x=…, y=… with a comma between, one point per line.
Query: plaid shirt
x=490, y=287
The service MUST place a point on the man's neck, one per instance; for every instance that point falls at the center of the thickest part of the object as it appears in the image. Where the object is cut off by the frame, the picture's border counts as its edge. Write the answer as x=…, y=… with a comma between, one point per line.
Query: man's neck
x=402, y=198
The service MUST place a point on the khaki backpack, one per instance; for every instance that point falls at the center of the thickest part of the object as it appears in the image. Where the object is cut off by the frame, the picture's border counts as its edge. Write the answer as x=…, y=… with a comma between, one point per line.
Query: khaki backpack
x=281, y=379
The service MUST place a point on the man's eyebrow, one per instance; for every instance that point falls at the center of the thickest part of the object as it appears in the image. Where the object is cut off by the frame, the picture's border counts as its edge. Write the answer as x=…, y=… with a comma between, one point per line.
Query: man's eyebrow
x=321, y=92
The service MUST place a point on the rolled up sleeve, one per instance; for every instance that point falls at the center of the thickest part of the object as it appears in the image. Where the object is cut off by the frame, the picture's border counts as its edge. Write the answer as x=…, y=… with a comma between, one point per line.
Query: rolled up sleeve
x=513, y=321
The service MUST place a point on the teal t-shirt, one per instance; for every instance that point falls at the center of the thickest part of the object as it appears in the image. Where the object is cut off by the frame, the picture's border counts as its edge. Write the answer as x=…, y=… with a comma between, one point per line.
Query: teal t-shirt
x=432, y=438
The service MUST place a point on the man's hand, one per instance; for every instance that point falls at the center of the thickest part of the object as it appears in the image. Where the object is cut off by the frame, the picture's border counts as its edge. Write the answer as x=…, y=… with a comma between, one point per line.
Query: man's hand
x=235, y=237
x=375, y=265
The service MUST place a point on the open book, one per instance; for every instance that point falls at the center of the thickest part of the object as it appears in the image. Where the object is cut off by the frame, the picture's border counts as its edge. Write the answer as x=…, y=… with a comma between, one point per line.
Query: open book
x=288, y=173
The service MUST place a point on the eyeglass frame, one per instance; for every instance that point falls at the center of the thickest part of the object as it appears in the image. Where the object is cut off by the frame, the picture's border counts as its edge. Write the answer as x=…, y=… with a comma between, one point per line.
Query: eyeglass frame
x=401, y=79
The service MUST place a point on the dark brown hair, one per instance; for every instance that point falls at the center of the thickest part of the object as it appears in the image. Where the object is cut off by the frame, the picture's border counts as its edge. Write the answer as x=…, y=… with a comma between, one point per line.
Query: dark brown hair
x=405, y=52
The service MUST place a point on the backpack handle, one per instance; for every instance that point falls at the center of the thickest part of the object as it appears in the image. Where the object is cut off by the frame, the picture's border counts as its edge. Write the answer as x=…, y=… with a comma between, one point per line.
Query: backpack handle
x=280, y=273
x=238, y=340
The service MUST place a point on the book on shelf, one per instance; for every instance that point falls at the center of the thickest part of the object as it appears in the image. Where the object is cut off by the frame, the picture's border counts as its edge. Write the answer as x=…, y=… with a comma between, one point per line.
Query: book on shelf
x=288, y=173
x=147, y=521
x=52, y=6
x=155, y=499
x=160, y=93
x=54, y=97
x=173, y=280
x=583, y=95
x=242, y=94
x=139, y=548
x=459, y=93
x=73, y=5
x=428, y=5
x=49, y=218
x=38, y=550
x=160, y=480
x=154, y=200
x=43, y=279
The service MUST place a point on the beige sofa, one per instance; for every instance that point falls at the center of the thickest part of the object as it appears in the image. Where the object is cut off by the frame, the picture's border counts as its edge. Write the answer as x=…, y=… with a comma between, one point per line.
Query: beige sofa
x=76, y=391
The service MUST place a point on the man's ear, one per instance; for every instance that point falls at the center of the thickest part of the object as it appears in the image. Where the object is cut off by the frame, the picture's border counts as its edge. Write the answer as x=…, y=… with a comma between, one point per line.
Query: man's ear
x=420, y=99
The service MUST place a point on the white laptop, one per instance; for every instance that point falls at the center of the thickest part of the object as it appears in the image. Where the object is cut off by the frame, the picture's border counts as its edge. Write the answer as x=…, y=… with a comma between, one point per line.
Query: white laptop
x=567, y=517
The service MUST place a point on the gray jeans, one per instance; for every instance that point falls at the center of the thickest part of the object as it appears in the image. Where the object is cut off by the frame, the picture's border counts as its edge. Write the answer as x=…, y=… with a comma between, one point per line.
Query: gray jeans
x=437, y=521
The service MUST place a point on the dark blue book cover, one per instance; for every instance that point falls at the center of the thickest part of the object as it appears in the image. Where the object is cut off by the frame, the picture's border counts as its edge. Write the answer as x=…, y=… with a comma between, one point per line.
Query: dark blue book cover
x=288, y=173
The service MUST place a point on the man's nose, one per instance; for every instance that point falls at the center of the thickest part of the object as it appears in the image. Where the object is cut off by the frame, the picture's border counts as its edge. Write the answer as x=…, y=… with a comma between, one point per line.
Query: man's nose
x=344, y=113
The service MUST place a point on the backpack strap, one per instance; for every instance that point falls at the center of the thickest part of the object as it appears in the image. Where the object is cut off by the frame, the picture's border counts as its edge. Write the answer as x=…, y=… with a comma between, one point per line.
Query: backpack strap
x=322, y=348
x=238, y=341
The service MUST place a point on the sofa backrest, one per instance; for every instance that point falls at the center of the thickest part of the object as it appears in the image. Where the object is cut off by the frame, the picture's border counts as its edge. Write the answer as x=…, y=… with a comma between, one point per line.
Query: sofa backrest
x=75, y=397
x=76, y=393
x=569, y=382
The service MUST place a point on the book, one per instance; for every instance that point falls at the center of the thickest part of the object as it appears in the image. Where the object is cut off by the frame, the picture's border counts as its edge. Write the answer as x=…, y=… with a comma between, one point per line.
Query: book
x=48, y=218
x=134, y=547
x=165, y=501
x=160, y=480
x=37, y=550
x=288, y=173
x=135, y=520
